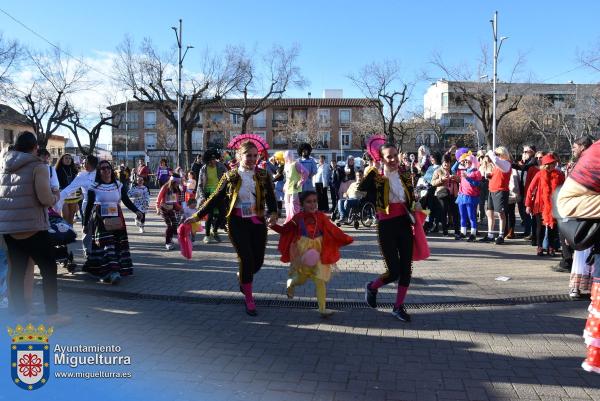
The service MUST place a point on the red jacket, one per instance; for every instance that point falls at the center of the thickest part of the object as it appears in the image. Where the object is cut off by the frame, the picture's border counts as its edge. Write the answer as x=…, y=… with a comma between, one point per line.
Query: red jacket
x=533, y=200
x=333, y=237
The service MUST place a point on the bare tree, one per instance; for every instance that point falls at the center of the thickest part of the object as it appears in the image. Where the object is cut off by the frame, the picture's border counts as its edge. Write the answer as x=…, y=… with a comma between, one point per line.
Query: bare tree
x=263, y=80
x=470, y=90
x=383, y=84
x=302, y=128
x=79, y=130
x=151, y=75
x=10, y=53
x=590, y=58
x=45, y=101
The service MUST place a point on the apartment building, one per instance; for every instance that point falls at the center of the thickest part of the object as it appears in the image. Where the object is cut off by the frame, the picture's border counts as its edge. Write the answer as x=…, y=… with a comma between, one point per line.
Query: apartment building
x=444, y=104
x=11, y=123
x=327, y=123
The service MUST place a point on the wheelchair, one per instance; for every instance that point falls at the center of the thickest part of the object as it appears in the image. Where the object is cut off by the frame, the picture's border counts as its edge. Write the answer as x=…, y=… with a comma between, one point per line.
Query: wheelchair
x=364, y=214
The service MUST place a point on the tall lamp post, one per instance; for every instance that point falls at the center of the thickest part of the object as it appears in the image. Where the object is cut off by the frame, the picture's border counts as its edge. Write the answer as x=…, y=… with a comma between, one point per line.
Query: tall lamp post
x=497, y=47
x=178, y=35
x=126, y=130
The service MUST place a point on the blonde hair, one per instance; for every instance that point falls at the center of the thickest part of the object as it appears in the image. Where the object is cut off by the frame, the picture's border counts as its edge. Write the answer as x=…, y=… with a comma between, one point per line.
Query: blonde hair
x=502, y=151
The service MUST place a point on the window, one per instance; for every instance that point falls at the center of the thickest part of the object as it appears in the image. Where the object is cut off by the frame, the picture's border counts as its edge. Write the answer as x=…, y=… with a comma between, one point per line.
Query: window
x=299, y=115
x=445, y=99
x=262, y=134
x=345, y=139
x=216, y=139
x=280, y=117
x=197, y=139
x=280, y=141
x=324, y=118
x=150, y=140
x=345, y=116
x=150, y=119
x=456, y=99
x=131, y=118
x=216, y=117
x=457, y=122
x=259, y=120
x=236, y=118
x=323, y=140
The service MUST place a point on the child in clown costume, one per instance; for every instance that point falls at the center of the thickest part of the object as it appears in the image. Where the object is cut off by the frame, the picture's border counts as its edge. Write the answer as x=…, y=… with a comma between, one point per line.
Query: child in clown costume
x=295, y=175
x=468, y=193
x=310, y=242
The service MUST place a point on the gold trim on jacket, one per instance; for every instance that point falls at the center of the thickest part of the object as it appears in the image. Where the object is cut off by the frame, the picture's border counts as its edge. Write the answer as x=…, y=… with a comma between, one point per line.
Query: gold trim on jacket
x=228, y=190
x=373, y=181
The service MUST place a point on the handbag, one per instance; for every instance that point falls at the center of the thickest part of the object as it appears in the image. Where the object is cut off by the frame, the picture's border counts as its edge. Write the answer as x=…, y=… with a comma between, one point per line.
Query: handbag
x=113, y=223
x=579, y=233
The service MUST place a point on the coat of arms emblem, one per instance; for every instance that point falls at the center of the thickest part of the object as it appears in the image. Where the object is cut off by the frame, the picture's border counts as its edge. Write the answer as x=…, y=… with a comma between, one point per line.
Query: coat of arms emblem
x=30, y=355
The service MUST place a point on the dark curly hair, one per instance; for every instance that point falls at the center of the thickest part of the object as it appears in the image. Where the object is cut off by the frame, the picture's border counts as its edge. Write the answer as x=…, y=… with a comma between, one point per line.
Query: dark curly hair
x=304, y=146
x=209, y=155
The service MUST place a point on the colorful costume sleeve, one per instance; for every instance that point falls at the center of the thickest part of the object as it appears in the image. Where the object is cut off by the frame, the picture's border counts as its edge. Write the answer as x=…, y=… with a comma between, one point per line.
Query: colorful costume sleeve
x=303, y=173
x=288, y=233
x=333, y=239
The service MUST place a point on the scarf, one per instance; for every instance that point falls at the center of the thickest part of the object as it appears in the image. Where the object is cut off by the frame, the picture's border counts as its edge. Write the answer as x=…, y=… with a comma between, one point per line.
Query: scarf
x=549, y=180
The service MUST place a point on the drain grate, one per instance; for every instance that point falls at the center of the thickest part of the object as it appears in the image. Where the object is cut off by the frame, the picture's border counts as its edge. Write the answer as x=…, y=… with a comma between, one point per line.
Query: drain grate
x=305, y=304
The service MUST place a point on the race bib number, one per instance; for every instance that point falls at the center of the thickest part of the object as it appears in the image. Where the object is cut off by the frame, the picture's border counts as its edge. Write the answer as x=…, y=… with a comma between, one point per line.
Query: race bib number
x=109, y=210
x=172, y=198
x=247, y=209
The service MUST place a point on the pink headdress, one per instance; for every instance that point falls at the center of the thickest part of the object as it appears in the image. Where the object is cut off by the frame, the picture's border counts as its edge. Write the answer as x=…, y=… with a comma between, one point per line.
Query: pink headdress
x=374, y=143
x=257, y=140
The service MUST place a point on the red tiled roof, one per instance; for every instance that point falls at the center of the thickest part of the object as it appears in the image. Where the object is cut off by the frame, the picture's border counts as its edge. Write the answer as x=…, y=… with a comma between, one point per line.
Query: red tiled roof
x=285, y=102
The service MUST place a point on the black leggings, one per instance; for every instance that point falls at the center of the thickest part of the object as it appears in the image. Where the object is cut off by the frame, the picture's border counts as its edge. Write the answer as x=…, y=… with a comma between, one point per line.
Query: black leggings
x=170, y=219
x=396, y=245
x=249, y=240
x=37, y=247
x=448, y=209
x=511, y=217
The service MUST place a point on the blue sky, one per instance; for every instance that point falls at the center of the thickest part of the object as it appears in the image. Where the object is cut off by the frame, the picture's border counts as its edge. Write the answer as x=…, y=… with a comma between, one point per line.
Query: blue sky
x=336, y=37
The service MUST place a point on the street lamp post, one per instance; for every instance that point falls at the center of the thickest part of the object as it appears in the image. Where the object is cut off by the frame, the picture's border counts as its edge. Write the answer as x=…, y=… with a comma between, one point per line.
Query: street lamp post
x=126, y=131
x=496, y=52
x=178, y=35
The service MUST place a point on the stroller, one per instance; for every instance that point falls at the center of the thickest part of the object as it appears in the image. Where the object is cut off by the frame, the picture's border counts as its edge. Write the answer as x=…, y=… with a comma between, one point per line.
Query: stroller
x=61, y=235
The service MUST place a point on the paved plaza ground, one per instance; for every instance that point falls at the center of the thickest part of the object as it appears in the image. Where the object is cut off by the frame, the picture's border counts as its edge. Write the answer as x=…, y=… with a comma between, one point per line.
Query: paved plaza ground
x=473, y=337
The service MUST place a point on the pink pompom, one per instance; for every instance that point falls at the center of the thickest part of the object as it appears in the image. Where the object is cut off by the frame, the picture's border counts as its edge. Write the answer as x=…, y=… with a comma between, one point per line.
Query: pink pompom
x=311, y=257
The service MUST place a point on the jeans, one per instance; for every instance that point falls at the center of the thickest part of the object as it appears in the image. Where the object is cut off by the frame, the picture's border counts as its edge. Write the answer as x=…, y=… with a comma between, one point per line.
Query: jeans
x=345, y=204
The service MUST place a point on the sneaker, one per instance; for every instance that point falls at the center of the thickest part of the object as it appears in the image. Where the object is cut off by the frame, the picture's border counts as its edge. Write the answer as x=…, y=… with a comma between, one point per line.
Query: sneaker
x=459, y=236
x=499, y=240
x=169, y=246
x=485, y=239
x=370, y=296
x=208, y=239
x=289, y=289
x=216, y=237
x=401, y=314
x=326, y=313
x=574, y=293
x=141, y=230
x=560, y=269
x=540, y=251
x=472, y=238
